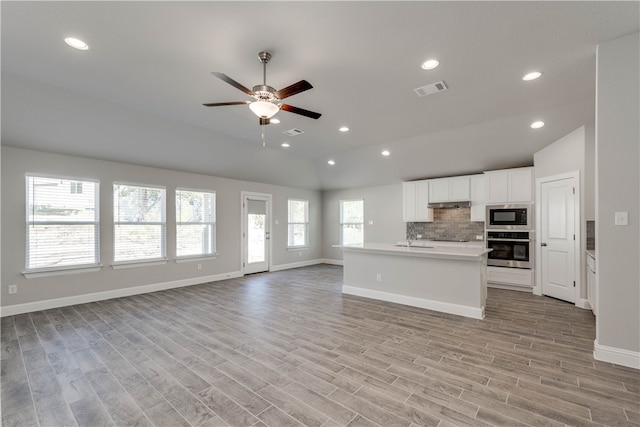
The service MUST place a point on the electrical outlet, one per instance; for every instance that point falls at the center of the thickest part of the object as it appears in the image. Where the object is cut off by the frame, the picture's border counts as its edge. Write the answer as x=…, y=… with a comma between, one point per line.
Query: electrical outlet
x=479, y=237
x=13, y=289
x=379, y=277
x=199, y=266
x=418, y=236
x=370, y=222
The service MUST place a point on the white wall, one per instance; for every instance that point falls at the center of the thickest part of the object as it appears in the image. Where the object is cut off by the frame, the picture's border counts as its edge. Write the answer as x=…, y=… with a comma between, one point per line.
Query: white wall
x=382, y=205
x=618, y=190
x=568, y=155
x=17, y=162
x=590, y=173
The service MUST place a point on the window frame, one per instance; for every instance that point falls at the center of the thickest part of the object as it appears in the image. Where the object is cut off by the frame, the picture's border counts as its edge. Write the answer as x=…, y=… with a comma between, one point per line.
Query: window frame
x=342, y=223
x=305, y=223
x=71, y=268
x=214, y=234
x=140, y=262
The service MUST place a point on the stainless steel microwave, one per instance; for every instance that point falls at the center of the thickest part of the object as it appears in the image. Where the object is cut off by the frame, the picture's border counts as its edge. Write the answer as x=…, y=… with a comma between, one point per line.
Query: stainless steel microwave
x=509, y=217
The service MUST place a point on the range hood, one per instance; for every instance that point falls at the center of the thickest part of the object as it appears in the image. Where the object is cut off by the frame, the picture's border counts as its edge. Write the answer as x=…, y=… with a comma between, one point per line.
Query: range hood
x=449, y=205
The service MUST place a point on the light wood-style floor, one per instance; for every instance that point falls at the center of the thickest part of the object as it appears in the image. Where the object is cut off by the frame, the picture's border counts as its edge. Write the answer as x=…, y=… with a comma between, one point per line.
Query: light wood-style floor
x=286, y=348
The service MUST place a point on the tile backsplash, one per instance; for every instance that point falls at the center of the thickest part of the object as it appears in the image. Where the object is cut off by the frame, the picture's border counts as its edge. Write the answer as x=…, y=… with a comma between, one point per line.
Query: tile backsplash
x=591, y=234
x=449, y=224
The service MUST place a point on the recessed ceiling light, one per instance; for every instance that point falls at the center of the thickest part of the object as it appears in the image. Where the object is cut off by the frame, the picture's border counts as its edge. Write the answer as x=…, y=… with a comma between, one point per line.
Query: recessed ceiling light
x=344, y=129
x=537, y=125
x=274, y=121
x=331, y=162
x=285, y=145
x=76, y=43
x=386, y=153
x=531, y=76
x=430, y=64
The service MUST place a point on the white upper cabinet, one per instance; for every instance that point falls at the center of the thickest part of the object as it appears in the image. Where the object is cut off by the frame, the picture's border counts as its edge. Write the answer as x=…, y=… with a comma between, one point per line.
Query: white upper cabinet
x=478, y=202
x=509, y=186
x=415, y=196
x=456, y=189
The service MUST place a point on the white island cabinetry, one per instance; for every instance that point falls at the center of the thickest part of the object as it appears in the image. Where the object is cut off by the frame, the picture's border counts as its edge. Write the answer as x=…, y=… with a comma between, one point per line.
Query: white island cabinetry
x=446, y=279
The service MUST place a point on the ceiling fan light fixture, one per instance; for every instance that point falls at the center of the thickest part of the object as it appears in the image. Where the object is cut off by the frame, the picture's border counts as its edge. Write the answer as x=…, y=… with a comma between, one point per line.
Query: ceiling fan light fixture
x=264, y=109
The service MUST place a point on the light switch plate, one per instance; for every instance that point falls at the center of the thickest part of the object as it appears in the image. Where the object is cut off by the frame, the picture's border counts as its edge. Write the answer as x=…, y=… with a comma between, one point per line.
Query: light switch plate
x=621, y=218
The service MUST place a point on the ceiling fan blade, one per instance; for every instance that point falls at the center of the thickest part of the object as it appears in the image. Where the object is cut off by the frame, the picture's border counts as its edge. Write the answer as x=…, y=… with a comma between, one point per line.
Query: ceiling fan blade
x=224, y=77
x=220, y=104
x=301, y=111
x=301, y=86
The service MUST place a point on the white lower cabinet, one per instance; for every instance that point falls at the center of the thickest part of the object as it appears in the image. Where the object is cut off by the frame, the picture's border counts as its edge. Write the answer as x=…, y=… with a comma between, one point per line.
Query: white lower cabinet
x=520, y=279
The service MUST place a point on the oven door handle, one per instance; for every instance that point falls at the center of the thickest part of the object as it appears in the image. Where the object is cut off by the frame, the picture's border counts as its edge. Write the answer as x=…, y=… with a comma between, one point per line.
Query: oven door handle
x=508, y=240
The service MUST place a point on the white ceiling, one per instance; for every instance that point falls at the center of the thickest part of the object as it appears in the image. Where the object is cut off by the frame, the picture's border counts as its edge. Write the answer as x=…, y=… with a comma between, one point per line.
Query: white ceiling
x=136, y=96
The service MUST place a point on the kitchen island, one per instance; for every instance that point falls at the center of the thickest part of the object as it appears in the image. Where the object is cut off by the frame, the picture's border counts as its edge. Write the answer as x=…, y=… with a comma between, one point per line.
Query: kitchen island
x=447, y=279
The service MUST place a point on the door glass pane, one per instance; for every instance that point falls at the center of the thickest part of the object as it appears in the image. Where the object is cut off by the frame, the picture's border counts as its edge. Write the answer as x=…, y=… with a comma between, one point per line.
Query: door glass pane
x=256, y=237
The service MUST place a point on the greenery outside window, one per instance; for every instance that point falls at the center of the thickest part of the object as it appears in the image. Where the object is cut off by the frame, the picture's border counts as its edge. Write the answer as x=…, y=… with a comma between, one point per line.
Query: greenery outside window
x=139, y=222
x=63, y=223
x=195, y=223
x=298, y=223
x=351, y=222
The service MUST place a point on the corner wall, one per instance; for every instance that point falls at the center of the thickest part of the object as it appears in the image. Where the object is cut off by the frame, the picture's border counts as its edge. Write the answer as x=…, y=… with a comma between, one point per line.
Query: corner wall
x=108, y=282
x=382, y=207
x=618, y=190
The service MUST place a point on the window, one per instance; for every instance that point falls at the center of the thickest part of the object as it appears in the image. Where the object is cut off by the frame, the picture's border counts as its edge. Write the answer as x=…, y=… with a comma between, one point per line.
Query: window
x=298, y=223
x=351, y=222
x=139, y=223
x=195, y=223
x=62, y=225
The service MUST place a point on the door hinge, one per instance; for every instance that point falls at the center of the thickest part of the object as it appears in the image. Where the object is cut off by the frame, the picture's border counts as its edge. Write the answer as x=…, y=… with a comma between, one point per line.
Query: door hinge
x=574, y=237
x=574, y=190
x=243, y=265
x=574, y=283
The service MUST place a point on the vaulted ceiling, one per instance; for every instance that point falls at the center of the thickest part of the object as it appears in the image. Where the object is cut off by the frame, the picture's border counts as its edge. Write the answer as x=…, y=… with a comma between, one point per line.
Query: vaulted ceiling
x=136, y=95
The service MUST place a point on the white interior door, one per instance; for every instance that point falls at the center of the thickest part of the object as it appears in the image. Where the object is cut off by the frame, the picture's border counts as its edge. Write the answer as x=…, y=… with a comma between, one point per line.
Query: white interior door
x=558, y=222
x=256, y=233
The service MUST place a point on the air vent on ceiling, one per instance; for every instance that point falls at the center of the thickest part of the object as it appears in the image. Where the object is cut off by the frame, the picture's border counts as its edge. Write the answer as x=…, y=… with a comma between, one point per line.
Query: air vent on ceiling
x=293, y=132
x=432, y=88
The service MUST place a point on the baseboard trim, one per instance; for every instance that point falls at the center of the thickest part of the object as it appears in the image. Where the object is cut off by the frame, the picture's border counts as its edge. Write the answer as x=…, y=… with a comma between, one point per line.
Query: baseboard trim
x=29, y=307
x=619, y=356
x=510, y=287
x=460, y=310
x=333, y=261
x=583, y=303
x=307, y=263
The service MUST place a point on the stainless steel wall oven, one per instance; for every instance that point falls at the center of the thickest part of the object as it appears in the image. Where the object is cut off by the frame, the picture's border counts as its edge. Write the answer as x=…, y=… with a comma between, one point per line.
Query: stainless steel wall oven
x=510, y=248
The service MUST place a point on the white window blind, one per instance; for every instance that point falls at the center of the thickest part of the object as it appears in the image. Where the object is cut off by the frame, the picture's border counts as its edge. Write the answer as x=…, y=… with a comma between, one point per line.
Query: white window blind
x=351, y=222
x=62, y=223
x=139, y=223
x=298, y=223
x=195, y=223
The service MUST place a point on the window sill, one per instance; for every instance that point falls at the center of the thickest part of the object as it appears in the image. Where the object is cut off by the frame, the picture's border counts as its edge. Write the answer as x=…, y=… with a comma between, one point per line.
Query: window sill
x=196, y=258
x=135, y=264
x=297, y=248
x=47, y=272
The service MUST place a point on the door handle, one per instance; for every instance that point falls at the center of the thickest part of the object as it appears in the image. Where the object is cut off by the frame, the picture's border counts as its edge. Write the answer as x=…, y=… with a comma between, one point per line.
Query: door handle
x=543, y=244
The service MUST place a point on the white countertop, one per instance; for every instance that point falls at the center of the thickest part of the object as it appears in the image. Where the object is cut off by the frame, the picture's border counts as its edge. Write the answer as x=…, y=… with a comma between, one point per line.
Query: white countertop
x=444, y=243
x=453, y=252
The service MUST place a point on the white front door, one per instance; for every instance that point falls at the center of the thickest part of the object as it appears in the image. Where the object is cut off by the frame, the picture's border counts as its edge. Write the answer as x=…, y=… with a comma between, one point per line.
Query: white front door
x=558, y=223
x=256, y=232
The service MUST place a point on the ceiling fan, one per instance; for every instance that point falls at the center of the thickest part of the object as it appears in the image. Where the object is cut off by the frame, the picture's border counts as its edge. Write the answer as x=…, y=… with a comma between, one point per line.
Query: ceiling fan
x=267, y=99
